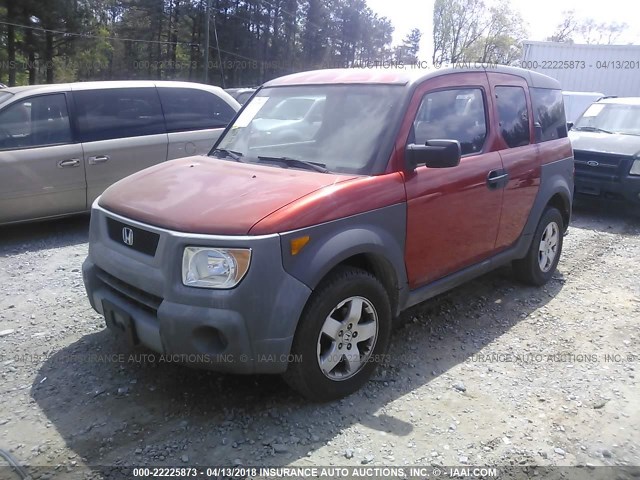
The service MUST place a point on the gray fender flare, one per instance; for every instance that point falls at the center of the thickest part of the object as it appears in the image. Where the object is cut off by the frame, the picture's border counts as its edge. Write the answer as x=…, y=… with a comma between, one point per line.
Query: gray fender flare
x=556, y=179
x=380, y=235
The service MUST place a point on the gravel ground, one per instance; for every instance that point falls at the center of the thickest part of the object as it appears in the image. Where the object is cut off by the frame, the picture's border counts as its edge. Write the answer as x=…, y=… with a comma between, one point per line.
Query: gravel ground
x=491, y=373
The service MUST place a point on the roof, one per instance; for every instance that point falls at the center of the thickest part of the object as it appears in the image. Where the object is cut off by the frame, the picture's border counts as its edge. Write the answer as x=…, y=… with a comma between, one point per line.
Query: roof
x=14, y=90
x=104, y=84
x=66, y=87
x=585, y=46
x=240, y=89
x=586, y=94
x=405, y=75
x=622, y=100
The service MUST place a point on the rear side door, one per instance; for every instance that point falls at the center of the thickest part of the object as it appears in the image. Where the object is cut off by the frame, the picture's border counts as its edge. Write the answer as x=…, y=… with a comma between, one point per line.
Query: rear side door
x=41, y=169
x=519, y=157
x=195, y=119
x=452, y=213
x=122, y=131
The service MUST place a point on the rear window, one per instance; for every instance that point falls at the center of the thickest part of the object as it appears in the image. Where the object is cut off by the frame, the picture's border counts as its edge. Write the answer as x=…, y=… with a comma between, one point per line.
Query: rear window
x=118, y=113
x=548, y=114
x=190, y=109
x=513, y=116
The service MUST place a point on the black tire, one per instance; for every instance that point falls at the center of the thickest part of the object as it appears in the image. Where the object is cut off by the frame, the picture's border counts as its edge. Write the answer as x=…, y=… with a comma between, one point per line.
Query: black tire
x=304, y=374
x=528, y=269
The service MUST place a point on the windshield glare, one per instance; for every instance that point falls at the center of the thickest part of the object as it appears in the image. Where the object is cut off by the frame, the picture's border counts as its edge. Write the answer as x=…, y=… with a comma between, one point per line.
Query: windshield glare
x=291, y=108
x=611, y=117
x=338, y=126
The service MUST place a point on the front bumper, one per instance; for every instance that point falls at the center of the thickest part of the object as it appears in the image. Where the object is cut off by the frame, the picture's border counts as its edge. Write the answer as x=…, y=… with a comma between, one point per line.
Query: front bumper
x=626, y=189
x=247, y=329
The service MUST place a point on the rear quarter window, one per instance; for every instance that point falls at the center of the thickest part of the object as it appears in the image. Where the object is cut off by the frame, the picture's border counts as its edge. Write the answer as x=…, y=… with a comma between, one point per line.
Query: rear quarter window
x=191, y=109
x=548, y=114
x=118, y=113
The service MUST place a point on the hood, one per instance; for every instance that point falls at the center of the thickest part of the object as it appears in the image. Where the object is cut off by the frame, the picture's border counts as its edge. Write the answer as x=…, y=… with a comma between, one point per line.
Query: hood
x=210, y=196
x=615, y=143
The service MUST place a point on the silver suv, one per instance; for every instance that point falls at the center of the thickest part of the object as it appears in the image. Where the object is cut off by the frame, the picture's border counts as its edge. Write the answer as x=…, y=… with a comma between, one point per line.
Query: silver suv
x=62, y=145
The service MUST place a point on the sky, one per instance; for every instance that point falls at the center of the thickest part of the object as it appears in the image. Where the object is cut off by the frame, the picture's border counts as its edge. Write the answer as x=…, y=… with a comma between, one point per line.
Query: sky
x=541, y=17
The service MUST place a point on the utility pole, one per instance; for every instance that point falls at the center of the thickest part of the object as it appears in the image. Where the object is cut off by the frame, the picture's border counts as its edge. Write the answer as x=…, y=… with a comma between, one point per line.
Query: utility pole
x=215, y=33
x=206, y=40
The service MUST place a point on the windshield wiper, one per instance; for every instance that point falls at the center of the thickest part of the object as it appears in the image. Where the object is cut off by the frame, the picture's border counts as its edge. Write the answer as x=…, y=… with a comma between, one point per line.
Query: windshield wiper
x=294, y=162
x=229, y=153
x=591, y=129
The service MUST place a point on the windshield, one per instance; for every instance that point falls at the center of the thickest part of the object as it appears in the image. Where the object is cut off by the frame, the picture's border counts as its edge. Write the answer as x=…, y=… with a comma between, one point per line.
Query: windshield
x=611, y=117
x=291, y=109
x=335, y=126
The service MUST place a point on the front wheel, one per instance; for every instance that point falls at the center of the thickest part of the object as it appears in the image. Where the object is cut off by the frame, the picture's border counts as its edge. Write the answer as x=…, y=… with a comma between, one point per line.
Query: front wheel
x=342, y=335
x=541, y=261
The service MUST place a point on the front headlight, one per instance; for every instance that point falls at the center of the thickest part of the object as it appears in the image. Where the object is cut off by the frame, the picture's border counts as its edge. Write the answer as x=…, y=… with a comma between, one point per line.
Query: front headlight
x=635, y=168
x=206, y=267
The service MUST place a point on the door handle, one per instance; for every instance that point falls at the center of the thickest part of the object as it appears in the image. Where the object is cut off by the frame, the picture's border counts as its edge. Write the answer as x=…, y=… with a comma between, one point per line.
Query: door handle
x=98, y=159
x=72, y=162
x=497, y=178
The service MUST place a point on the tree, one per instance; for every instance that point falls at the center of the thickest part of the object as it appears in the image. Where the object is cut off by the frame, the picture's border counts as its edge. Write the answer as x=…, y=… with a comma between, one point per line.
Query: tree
x=586, y=30
x=468, y=30
x=566, y=29
x=407, y=52
x=11, y=41
x=502, y=40
x=457, y=25
x=67, y=40
x=600, y=33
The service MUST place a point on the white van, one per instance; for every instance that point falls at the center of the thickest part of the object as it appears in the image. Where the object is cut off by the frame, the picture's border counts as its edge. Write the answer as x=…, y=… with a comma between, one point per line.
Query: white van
x=62, y=145
x=575, y=103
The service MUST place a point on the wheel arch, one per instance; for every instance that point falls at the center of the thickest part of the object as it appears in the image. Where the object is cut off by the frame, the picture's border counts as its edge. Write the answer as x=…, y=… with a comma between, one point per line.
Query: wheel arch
x=373, y=242
x=556, y=189
x=378, y=266
x=563, y=204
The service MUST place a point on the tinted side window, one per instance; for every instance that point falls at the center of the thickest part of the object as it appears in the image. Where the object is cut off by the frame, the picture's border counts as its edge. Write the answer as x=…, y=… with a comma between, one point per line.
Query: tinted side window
x=118, y=113
x=242, y=98
x=513, y=116
x=35, y=122
x=455, y=115
x=191, y=109
x=548, y=114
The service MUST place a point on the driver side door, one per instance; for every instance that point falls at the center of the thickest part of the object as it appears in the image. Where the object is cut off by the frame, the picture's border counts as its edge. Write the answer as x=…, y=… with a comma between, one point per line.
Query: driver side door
x=453, y=214
x=41, y=168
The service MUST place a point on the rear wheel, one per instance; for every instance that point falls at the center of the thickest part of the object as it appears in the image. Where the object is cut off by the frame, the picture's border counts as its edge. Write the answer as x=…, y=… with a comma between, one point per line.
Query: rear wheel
x=543, y=256
x=342, y=334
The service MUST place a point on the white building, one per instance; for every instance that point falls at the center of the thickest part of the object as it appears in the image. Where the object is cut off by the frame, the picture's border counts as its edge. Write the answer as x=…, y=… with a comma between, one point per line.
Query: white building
x=610, y=69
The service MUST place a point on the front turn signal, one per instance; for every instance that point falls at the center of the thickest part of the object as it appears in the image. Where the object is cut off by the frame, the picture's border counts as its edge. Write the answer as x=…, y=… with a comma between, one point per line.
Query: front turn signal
x=298, y=244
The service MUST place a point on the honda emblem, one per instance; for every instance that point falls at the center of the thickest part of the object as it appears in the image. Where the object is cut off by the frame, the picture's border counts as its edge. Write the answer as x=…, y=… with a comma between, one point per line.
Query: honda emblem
x=127, y=236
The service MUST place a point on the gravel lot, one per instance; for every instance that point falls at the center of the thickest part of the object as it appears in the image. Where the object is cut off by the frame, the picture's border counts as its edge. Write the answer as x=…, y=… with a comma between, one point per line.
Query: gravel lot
x=491, y=373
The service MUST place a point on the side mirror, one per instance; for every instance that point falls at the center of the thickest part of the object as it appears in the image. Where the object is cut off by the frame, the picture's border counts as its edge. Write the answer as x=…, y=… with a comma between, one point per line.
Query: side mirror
x=434, y=154
x=569, y=125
